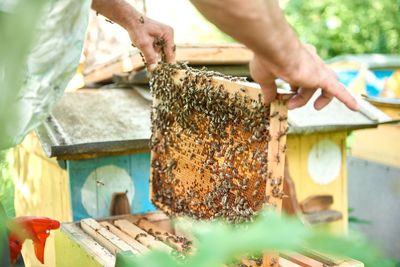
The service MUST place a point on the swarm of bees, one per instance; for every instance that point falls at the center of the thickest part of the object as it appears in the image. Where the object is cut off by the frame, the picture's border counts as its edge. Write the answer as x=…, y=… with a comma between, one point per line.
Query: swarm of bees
x=209, y=146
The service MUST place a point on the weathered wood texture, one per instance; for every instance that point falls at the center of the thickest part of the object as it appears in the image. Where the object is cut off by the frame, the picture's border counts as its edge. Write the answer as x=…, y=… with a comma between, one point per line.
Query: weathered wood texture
x=316, y=203
x=141, y=236
x=123, y=236
x=106, y=238
x=196, y=55
x=74, y=247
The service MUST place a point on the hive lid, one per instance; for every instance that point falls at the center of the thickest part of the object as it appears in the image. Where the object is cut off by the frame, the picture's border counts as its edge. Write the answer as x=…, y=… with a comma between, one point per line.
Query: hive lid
x=334, y=117
x=97, y=122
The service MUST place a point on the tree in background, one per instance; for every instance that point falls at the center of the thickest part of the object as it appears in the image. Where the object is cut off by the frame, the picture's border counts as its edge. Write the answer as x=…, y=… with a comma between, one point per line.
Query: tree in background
x=337, y=27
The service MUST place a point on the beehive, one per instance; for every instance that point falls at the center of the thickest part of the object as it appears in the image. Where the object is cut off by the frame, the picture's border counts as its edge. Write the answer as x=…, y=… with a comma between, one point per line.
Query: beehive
x=97, y=242
x=217, y=149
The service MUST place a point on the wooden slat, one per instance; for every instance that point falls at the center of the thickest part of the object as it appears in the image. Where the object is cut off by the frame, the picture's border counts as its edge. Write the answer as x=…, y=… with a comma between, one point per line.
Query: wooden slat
x=85, y=242
x=156, y=216
x=316, y=203
x=141, y=235
x=324, y=216
x=322, y=257
x=286, y=263
x=276, y=164
x=129, y=240
x=242, y=88
x=195, y=55
x=162, y=235
x=302, y=260
x=329, y=260
x=351, y=263
x=105, y=237
x=142, y=77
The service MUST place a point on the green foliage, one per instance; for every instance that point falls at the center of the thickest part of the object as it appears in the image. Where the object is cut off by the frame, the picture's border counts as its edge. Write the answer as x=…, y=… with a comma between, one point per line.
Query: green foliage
x=341, y=26
x=355, y=220
x=6, y=185
x=218, y=243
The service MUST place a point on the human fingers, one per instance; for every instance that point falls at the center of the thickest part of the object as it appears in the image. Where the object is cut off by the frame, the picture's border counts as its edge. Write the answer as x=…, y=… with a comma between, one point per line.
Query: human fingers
x=269, y=91
x=332, y=86
x=169, y=49
x=294, y=88
x=266, y=80
x=324, y=99
x=301, y=98
x=145, y=44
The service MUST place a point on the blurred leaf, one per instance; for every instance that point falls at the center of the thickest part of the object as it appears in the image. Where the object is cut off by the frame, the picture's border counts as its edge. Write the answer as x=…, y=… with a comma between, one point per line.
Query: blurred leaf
x=219, y=242
x=17, y=34
x=356, y=220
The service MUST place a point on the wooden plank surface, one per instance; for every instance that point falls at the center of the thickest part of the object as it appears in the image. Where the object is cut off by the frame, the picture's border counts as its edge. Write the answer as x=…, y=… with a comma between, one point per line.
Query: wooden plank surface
x=172, y=240
x=351, y=263
x=329, y=260
x=286, y=263
x=323, y=216
x=141, y=236
x=316, y=203
x=302, y=260
x=107, y=239
x=227, y=54
x=75, y=248
x=138, y=247
x=276, y=164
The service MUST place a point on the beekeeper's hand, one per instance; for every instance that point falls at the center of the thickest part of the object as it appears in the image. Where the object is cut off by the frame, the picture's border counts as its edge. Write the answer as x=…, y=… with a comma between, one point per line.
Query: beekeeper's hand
x=262, y=27
x=305, y=72
x=150, y=36
x=153, y=38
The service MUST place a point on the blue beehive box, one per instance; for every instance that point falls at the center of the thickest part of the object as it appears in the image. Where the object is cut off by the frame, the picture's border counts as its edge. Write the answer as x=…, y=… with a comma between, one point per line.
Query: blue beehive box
x=100, y=136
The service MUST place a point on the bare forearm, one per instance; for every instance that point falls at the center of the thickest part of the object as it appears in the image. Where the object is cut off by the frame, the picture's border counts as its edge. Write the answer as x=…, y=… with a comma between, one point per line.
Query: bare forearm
x=144, y=32
x=118, y=11
x=278, y=53
x=259, y=24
